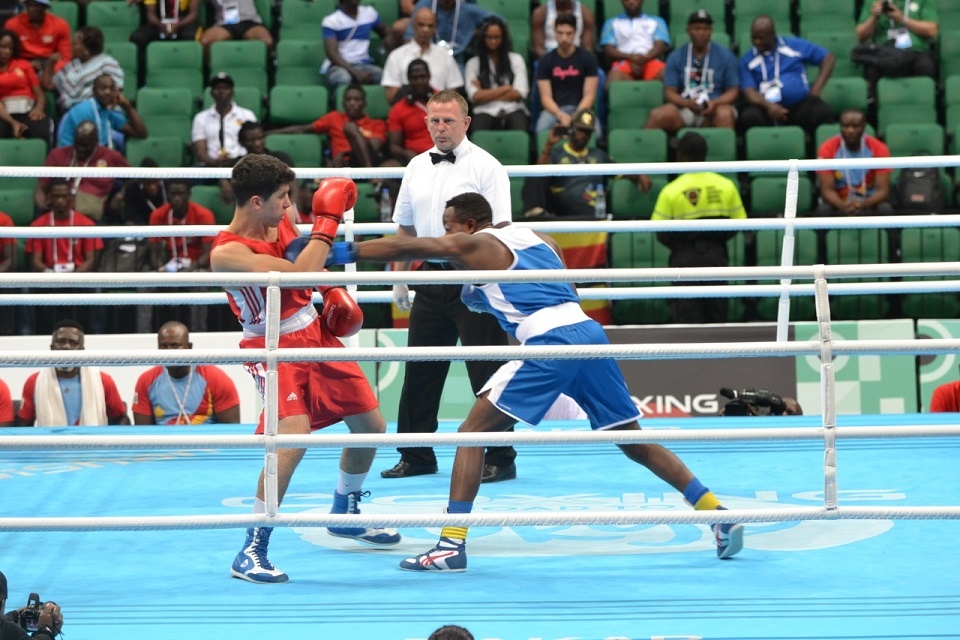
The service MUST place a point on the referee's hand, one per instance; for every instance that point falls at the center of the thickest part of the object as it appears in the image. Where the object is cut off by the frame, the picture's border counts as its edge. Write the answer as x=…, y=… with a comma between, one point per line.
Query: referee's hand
x=401, y=297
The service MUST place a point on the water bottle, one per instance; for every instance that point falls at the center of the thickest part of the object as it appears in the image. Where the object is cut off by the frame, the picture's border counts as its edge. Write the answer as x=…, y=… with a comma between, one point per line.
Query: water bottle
x=600, y=203
x=386, y=206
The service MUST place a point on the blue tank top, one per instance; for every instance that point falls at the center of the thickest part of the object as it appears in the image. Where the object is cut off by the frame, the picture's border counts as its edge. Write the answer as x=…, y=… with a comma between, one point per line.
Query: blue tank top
x=526, y=308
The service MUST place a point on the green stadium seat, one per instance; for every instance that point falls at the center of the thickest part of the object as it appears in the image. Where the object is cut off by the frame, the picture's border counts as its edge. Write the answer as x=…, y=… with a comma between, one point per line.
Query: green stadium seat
x=209, y=196
x=629, y=103
x=768, y=194
x=175, y=64
x=858, y=246
x=389, y=10
x=930, y=244
x=247, y=97
x=905, y=100
x=67, y=10
x=301, y=19
x=126, y=54
x=826, y=15
x=166, y=150
x=18, y=204
x=786, y=142
x=638, y=145
x=639, y=250
x=117, y=20
x=918, y=114
x=21, y=152
x=744, y=11
x=377, y=105
x=297, y=105
x=915, y=139
x=680, y=10
x=265, y=10
x=244, y=60
x=304, y=148
x=768, y=244
x=626, y=203
x=514, y=12
x=948, y=51
x=840, y=43
x=509, y=147
x=721, y=142
x=169, y=111
x=845, y=93
x=298, y=61
x=949, y=14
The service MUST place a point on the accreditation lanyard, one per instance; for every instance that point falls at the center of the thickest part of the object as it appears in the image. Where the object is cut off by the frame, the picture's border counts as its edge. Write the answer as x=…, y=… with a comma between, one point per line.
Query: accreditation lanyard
x=100, y=125
x=856, y=178
x=776, y=63
x=182, y=417
x=456, y=22
x=56, y=241
x=703, y=69
x=174, y=8
x=183, y=239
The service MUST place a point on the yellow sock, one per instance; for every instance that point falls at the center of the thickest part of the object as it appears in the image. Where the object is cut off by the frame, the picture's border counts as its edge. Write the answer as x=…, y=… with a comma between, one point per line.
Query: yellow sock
x=460, y=533
x=707, y=502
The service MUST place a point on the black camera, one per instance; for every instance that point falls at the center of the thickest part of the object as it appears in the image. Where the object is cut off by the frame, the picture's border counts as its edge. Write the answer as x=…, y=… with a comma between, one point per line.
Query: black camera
x=752, y=402
x=887, y=7
x=28, y=617
x=561, y=131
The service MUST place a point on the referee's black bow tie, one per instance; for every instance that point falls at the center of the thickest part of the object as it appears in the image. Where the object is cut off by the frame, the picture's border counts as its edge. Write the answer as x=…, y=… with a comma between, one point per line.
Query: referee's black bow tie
x=440, y=157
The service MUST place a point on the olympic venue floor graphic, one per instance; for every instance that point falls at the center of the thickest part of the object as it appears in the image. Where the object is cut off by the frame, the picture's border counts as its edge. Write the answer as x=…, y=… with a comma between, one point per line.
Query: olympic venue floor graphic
x=816, y=579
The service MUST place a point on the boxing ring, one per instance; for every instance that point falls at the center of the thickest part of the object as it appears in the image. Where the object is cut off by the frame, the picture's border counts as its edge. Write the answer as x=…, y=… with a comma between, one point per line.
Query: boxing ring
x=849, y=519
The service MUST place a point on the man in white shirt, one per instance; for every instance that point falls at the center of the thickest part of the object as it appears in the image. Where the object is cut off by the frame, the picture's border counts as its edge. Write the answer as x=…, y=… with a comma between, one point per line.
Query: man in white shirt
x=216, y=130
x=444, y=71
x=438, y=318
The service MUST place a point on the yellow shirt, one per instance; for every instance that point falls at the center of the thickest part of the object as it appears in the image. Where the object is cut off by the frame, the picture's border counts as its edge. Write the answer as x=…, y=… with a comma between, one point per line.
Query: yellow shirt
x=699, y=195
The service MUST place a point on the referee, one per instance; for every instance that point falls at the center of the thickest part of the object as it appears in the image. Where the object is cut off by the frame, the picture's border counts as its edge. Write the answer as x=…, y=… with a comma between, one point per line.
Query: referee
x=438, y=318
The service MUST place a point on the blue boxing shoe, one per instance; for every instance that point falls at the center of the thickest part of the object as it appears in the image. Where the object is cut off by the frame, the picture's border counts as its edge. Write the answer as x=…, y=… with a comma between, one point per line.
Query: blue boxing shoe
x=350, y=504
x=252, y=564
x=449, y=556
x=729, y=538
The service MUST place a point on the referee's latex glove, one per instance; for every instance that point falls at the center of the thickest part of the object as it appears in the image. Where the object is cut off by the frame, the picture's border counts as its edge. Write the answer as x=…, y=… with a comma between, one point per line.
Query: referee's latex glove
x=401, y=297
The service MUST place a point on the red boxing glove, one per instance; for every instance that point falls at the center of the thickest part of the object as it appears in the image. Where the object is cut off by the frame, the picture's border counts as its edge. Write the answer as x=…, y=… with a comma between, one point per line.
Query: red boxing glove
x=332, y=198
x=342, y=316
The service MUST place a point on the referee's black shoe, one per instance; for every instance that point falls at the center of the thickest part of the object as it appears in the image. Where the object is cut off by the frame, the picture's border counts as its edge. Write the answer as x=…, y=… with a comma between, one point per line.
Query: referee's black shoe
x=495, y=473
x=404, y=469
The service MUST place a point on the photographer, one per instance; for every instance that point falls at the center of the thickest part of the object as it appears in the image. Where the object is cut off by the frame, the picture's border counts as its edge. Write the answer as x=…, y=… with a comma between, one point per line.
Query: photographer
x=902, y=33
x=43, y=619
x=758, y=402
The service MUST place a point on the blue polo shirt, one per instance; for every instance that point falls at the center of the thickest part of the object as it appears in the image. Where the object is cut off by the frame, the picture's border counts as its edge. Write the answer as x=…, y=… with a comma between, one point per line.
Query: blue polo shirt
x=109, y=122
x=787, y=62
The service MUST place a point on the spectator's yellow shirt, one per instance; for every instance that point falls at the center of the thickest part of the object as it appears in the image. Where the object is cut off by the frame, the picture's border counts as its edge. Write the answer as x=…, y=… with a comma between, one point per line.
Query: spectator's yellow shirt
x=699, y=195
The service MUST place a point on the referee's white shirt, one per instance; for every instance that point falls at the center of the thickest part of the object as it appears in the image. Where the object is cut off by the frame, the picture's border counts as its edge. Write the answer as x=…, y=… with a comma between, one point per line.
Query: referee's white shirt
x=426, y=187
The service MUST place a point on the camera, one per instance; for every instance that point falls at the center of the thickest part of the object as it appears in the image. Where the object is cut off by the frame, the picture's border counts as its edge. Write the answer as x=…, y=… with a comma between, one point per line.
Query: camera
x=752, y=402
x=887, y=6
x=561, y=130
x=29, y=616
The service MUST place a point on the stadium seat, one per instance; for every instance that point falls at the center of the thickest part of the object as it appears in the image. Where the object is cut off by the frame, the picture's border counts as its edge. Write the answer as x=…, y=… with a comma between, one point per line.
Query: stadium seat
x=126, y=54
x=915, y=139
x=721, y=142
x=858, y=246
x=626, y=203
x=769, y=253
x=265, y=10
x=768, y=195
x=638, y=145
x=509, y=147
x=247, y=97
x=948, y=51
x=297, y=105
x=67, y=10
x=840, y=44
x=175, y=64
x=21, y=152
x=905, y=100
x=744, y=11
x=930, y=244
x=244, y=60
x=304, y=148
x=680, y=10
x=630, y=102
x=638, y=250
x=949, y=14
x=826, y=15
x=775, y=143
x=209, y=196
x=918, y=114
x=845, y=93
x=301, y=19
x=166, y=150
x=169, y=111
x=511, y=10
x=377, y=105
x=298, y=62
x=117, y=20
x=389, y=10
x=18, y=204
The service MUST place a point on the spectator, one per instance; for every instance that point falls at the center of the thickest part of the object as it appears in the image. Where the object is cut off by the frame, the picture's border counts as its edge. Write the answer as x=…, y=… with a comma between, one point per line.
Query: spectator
x=41, y=35
x=74, y=82
x=216, y=129
x=773, y=78
x=566, y=78
x=569, y=196
x=444, y=71
x=906, y=31
x=49, y=619
x=70, y=395
x=184, y=394
x=235, y=20
x=346, y=39
x=167, y=20
x=696, y=196
x=406, y=125
x=634, y=42
x=23, y=110
x=496, y=80
x=115, y=116
x=356, y=139
x=946, y=398
x=701, y=82
x=854, y=192
x=62, y=254
x=142, y=196
x=451, y=632
x=8, y=247
x=543, y=38
x=91, y=195
x=6, y=409
x=182, y=253
x=457, y=23
x=254, y=140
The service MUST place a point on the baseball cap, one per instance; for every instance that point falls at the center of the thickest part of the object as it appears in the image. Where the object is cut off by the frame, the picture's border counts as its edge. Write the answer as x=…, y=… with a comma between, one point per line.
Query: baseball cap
x=223, y=76
x=584, y=119
x=700, y=15
x=45, y=3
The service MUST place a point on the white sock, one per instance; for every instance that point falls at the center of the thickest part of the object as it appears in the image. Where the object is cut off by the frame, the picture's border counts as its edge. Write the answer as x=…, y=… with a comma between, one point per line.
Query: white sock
x=259, y=506
x=350, y=482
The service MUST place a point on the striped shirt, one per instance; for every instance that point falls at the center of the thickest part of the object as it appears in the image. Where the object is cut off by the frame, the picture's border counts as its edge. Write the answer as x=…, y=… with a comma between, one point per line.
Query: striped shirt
x=74, y=83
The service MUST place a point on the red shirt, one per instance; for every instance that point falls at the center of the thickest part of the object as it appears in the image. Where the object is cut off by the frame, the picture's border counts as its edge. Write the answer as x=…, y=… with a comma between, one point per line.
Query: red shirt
x=178, y=247
x=114, y=403
x=6, y=221
x=410, y=119
x=102, y=157
x=865, y=183
x=946, y=398
x=332, y=124
x=53, y=36
x=18, y=80
x=6, y=404
x=65, y=250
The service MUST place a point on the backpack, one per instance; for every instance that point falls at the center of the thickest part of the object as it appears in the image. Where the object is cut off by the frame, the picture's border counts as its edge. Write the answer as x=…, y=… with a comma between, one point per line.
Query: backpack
x=919, y=190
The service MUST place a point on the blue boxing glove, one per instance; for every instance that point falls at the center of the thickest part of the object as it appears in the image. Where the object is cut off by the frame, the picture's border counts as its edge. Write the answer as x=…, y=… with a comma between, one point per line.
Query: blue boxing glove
x=292, y=250
x=341, y=253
